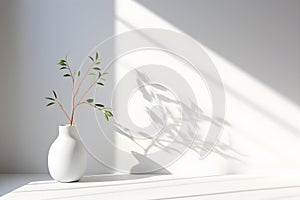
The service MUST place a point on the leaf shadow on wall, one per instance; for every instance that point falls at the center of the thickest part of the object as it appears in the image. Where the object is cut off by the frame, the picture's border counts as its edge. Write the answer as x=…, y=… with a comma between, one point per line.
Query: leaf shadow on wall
x=172, y=129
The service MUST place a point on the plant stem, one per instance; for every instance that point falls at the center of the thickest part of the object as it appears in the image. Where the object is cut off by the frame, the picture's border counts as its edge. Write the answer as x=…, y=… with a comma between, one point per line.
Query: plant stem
x=73, y=102
x=73, y=97
x=62, y=108
x=83, y=78
x=86, y=92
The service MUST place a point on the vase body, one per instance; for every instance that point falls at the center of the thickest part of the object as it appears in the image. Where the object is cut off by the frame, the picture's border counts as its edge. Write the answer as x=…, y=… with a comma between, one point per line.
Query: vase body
x=67, y=157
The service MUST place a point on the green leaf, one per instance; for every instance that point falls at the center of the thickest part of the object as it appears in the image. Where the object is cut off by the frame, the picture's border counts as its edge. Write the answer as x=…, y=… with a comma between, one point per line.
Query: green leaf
x=54, y=93
x=104, y=73
x=110, y=113
x=106, y=117
x=99, y=105
x=99, y=83
x=67, y=75
x=49, y=98
x=62, y=62
x=92, y=74
x=78, y=73
x=97, y=63
x=97, y=55
x=90, y=100
x=91, y=58
x=50, y=104
x=99, y=75
x=107, y=114
x=62, y=68
x=96, y=68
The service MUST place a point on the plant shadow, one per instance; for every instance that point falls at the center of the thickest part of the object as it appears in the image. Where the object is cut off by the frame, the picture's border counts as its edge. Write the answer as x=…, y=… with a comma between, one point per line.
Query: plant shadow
x=163, y=118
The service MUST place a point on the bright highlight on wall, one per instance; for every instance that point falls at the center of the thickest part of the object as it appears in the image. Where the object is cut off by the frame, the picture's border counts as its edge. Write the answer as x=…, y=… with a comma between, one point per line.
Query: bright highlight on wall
x=261, y=133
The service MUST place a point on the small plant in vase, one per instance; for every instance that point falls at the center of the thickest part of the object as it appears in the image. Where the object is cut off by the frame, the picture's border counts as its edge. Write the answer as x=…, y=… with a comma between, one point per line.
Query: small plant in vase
x=66, y=158
x=93, y=70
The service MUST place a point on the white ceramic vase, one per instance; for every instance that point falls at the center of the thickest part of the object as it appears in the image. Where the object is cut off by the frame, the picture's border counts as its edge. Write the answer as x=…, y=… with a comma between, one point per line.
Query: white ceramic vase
x=67, y=157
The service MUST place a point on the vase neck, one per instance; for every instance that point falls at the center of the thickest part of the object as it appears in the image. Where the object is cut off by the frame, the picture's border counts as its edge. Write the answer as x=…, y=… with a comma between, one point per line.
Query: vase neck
x=68, y=131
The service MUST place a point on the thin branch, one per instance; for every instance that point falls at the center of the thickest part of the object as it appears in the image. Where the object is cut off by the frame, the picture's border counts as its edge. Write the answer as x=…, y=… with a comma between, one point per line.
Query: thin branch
x=75, y=89
x=62, y=108
x=73, y=103
x=87, y=91
x=83, y=78
x=92, y=105
x=69, y=68
x=73, y=96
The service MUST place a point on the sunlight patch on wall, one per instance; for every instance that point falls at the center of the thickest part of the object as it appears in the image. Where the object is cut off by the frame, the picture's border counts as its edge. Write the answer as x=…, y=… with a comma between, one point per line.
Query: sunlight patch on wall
x=261, y=132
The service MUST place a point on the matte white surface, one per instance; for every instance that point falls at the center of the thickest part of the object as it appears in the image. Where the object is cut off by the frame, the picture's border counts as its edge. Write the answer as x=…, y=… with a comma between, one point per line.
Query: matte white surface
x=67, y=157
x=157, y=187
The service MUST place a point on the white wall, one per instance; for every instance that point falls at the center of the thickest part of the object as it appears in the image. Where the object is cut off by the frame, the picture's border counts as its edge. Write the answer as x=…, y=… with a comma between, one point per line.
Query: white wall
x=34, y=36
x=256, y=48
x=254, y=44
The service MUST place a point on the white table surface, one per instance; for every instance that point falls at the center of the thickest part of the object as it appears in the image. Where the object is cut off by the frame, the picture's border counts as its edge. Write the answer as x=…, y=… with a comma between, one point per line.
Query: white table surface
x=118, y=186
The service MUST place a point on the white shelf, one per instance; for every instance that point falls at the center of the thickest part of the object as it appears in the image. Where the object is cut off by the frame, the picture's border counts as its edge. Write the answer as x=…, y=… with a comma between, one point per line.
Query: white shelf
x=118, y=186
